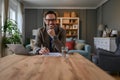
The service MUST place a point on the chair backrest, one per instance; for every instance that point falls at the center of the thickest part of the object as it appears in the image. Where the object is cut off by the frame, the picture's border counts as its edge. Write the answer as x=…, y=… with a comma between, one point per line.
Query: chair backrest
x=117, y=41
x=117, y=52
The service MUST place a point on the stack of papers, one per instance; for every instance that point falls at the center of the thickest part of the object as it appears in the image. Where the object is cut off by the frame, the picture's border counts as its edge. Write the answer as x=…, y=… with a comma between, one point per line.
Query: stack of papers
x=53, y=54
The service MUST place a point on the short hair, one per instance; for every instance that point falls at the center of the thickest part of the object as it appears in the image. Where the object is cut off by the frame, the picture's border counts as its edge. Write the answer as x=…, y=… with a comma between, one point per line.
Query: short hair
x=50, y=12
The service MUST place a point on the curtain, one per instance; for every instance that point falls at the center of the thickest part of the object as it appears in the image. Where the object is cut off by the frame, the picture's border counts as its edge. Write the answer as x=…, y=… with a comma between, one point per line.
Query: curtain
x=0, y=25
x=6, y=6
x=5, y=16
x=23, y=29
x=20, y=18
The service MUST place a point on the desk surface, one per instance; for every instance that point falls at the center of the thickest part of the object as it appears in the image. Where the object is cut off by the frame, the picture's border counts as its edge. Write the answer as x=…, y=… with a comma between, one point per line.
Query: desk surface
x=75, y=67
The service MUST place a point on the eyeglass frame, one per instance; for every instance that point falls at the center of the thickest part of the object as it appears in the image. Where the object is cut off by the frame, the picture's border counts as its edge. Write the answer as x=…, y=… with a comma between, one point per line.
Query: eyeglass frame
x=48, y=20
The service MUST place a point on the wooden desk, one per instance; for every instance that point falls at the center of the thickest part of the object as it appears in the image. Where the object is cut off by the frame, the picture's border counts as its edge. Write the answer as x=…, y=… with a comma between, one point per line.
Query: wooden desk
x=75, y=67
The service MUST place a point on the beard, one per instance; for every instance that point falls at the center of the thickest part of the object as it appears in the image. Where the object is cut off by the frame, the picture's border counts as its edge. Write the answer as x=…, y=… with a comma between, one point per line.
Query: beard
x=51, y=26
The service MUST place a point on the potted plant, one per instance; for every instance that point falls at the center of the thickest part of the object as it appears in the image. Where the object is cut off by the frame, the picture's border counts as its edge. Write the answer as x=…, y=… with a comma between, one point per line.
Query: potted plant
x=11, y=32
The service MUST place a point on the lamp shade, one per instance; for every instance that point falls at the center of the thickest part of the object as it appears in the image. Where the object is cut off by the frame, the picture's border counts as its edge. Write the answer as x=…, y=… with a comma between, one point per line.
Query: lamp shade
x=114, y=32
x=100, y=27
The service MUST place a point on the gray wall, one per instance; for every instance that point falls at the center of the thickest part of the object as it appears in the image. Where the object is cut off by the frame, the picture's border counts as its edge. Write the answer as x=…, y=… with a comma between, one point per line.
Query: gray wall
x=91, y=22
x=110, y=14
x=34, y=19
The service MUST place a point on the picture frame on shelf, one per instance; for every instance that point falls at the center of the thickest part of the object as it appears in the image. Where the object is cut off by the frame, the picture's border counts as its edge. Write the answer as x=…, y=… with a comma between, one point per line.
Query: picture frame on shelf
x=75, y=26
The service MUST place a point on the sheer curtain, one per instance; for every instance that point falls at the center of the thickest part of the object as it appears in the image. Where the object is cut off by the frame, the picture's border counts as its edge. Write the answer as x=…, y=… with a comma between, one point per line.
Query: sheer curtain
x=20, y=19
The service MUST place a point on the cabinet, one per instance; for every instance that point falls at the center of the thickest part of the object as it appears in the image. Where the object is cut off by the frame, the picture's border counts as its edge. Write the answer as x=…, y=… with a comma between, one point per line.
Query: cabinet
x=70, y=24
x=105, y=43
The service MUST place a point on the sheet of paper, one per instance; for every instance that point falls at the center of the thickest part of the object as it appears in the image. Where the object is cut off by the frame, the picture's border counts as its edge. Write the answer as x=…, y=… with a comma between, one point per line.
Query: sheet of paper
x=54, y=54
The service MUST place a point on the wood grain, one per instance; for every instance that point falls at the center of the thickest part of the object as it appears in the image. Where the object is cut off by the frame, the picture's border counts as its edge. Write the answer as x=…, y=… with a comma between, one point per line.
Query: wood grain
x=75, y=67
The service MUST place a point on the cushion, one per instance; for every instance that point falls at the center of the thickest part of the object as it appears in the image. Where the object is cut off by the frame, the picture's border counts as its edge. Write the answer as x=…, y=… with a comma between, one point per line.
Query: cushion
x=69, y=39
x=70, y=45
x=80, y=41
x=17, y=48
x=79, y=46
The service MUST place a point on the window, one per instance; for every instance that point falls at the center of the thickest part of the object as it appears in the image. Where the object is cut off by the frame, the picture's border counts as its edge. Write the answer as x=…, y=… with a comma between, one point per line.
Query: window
x=12, y=14
x=15, y=13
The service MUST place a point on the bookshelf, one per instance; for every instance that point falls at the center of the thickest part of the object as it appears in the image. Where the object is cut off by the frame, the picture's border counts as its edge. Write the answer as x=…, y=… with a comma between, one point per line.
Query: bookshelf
x=70, y=24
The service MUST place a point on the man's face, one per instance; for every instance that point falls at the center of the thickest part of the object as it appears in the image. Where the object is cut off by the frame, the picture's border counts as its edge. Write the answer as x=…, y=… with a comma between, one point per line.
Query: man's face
x=50, y=21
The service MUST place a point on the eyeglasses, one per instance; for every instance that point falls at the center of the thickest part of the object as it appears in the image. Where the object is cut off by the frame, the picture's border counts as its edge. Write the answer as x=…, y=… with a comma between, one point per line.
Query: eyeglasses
x=50, y=20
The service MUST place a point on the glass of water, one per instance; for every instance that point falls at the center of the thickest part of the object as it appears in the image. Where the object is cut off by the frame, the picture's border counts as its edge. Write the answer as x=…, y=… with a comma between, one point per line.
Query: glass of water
x=64, y=51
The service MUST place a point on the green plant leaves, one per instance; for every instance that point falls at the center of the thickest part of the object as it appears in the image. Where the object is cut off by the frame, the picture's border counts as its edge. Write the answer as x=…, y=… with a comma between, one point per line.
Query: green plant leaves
x=11, y=32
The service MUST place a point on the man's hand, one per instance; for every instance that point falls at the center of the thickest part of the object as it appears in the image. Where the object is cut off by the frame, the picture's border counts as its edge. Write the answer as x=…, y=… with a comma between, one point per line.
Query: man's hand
x=44, y=50
x=51, y=32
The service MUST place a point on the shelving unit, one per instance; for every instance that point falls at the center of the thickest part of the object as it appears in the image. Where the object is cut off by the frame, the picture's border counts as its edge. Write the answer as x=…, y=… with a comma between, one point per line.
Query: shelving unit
x=70, y=24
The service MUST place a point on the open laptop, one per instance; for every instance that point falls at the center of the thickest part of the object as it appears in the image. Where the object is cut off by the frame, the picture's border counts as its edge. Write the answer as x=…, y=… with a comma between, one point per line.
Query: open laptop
x=19, y=49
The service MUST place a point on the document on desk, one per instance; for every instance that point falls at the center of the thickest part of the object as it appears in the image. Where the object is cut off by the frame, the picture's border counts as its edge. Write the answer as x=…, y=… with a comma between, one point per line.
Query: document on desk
x=53, y=54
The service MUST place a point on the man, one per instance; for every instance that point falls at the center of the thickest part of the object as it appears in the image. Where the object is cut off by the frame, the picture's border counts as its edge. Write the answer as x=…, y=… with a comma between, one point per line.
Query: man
x=51, y=37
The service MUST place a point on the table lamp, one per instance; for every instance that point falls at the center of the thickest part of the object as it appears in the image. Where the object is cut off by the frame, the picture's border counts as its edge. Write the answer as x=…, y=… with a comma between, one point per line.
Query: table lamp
x=100, y=30
x=114, y=33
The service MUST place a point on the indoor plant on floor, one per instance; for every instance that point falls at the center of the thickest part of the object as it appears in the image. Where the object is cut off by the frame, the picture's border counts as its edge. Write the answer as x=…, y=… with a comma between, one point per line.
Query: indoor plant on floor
x=11, y=33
